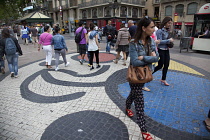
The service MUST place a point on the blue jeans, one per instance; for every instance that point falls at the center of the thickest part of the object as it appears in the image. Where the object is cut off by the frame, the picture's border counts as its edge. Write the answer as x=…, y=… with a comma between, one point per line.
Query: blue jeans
x=13, y=63
x=108, y=45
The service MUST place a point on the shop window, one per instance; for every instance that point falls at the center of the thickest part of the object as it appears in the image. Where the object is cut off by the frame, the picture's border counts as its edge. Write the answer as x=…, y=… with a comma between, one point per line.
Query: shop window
x=168, y=11
x=192, y=8
x=179, y=10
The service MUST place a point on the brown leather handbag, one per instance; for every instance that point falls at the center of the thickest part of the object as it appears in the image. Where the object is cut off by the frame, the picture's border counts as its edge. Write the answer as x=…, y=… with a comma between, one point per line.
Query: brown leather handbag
x=138, y=75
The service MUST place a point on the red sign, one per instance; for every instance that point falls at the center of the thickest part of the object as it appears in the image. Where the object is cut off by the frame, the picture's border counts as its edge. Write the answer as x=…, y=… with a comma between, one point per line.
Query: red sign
x=206, y=7
x=175, y=14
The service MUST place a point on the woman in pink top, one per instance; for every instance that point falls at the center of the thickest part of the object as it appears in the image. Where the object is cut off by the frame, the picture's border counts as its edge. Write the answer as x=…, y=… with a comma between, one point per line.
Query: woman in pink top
x=45, y=40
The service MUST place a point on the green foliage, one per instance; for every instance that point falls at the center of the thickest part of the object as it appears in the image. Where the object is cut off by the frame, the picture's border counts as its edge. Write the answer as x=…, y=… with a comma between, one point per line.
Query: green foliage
x=11, y=10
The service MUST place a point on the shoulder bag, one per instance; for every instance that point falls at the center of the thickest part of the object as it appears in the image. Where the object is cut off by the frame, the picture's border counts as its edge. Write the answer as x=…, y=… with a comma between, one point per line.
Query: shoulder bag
x=137, y=75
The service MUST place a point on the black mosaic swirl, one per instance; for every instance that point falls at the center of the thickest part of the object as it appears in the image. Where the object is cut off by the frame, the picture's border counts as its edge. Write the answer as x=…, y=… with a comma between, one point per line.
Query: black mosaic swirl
x=50, y=79
x=34, y=97
x=52, y=63
x=75, y=57
x=158, y=129
x=99, y=71
x=86, y=125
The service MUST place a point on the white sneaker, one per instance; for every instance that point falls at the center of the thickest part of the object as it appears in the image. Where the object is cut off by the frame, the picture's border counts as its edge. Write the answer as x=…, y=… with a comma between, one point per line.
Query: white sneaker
x=67, y=64
x=16, y=76
x=56, y=69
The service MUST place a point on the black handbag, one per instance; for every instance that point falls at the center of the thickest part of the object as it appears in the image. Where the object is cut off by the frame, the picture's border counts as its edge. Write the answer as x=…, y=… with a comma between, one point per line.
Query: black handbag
x=171, y=44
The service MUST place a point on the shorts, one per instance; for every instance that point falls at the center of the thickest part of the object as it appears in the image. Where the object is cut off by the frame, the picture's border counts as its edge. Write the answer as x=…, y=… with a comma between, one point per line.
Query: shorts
x=82, y=49
x=34, y=39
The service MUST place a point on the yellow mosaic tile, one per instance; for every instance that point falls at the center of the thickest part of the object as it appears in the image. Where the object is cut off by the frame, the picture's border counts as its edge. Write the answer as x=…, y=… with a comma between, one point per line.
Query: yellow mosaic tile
x=181, y=67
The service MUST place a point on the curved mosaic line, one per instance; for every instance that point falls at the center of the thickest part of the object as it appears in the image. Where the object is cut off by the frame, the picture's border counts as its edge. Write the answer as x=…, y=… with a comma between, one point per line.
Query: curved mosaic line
x=103, y=69
x=52, y=63
x=111, y=56
x=34, y=97
x=153, y=126
x=50, y=79
x=94, y=126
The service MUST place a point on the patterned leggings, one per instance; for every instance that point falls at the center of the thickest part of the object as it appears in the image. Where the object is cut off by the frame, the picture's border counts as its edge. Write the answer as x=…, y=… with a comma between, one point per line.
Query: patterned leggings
x=136, y=95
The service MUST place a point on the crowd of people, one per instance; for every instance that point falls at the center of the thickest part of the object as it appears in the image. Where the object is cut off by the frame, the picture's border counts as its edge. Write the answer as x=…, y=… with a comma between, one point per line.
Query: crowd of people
x=143, y=42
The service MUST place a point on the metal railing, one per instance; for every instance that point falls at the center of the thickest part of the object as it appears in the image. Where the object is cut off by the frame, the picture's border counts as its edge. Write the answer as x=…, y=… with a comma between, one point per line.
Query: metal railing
x=93, y=2
x=137, y=2
x=156, y=1
x=164, y=1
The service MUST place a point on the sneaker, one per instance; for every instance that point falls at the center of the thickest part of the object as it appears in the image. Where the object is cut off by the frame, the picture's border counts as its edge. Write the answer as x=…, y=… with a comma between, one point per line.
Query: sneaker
x=92, y=68
x=67, y=64
x=16, y=76
x=2, y=70
x=89, y=65
x=56, y=69
x=81, y=62
x=98, y=66
x=12, y=74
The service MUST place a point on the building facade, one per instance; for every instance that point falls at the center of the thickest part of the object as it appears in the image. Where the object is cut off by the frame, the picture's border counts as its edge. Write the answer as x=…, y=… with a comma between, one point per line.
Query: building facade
x=96, y=11
x=182, y=12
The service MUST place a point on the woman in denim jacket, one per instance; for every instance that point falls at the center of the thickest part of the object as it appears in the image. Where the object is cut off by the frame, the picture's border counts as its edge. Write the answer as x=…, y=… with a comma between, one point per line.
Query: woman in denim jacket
x=163, y=50
x=139, y=48
x=60, y=48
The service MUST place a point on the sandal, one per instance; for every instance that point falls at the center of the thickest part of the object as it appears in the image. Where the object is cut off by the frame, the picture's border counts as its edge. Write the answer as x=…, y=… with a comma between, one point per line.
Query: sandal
x=146, y=89
x=129, y=113
x=146, y=136
x=207, y=126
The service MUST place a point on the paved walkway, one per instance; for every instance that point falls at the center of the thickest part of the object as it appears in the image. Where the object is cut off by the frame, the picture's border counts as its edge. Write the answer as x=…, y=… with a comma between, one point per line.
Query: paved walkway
x=76, y=103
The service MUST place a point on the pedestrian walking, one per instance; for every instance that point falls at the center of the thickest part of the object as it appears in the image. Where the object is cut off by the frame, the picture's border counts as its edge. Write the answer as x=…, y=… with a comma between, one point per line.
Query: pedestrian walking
x=132, y=31
x=60, y=47
x=163, y=49
x=139, y=51
x=93, y=46
x=45, y=40
x=34, y=34
x=122, y=43
x=109, y=32
x=82, y=41
x=11, y=49
x=2, y=58
x=24, y=33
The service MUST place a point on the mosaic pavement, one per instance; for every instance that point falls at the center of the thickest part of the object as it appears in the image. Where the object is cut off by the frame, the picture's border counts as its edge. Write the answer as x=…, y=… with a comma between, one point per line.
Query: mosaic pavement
x=78, y=104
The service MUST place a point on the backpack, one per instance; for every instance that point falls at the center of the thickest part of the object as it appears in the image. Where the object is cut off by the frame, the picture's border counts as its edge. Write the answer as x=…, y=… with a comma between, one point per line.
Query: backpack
x=78, y=36
x=10, y=47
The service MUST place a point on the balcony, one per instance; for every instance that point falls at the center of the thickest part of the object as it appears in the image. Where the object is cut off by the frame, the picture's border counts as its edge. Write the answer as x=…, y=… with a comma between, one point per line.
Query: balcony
x=56, y=9
x=65, y=7
x=156, y=1
x=166, y=1
x=92, y=3
x=135, y=2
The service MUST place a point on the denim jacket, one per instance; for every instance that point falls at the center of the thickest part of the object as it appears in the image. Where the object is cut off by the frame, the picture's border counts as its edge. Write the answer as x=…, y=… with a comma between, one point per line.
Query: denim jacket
x=137, y=49
x=58, y=42
x=162, y=35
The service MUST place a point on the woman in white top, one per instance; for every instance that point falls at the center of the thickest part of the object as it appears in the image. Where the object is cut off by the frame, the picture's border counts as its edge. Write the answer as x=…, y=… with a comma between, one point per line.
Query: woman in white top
x=24, y=33
x=93, y=47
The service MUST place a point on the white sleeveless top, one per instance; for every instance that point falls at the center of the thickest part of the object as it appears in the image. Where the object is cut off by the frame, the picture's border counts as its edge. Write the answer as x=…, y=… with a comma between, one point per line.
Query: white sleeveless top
x=92, y=43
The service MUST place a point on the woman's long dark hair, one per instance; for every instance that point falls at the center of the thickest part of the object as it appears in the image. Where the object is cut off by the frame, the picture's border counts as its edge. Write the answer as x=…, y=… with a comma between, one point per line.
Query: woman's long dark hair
x=57, y=29
x=165, y=20
x=143, y=22
x=5, y=33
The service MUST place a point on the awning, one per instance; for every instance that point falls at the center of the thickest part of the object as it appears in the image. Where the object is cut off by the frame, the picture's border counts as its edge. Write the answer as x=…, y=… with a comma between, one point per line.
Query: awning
x=188, y=23
x=35, y=17
x=177, y=23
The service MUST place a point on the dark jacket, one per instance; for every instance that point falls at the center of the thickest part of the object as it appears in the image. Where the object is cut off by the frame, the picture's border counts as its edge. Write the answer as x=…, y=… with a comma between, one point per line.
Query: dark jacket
x=2, y=46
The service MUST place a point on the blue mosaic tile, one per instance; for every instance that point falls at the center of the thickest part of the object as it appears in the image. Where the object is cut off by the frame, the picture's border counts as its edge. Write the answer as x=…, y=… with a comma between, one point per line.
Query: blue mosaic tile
x=183, y=105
